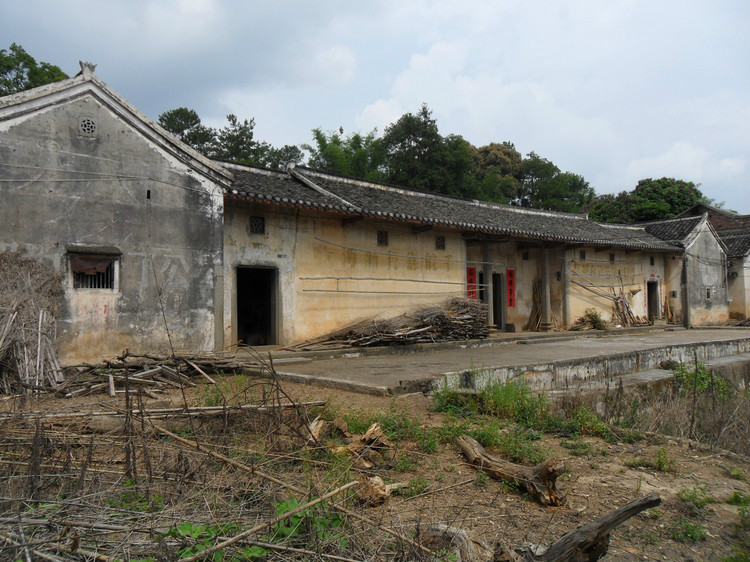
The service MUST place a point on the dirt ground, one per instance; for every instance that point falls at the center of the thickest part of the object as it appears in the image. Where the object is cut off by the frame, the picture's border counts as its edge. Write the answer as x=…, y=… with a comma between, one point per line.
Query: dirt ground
x=596, y=482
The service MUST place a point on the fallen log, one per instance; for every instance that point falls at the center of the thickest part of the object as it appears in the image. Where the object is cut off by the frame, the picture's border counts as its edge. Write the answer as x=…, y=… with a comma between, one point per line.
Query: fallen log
x=538, y=481
x=584, y=544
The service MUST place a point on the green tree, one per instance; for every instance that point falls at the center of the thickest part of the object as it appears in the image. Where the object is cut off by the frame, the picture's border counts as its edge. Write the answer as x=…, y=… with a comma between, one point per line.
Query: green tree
x=497, y=169
x=356, y=155
x=651, y=199
x=186, y=125
x=234, y=142
x=19, y=71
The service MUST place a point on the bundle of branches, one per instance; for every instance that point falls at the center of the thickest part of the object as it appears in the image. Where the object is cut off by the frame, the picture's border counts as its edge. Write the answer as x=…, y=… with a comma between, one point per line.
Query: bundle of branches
x=30, y=294
x=454, y=319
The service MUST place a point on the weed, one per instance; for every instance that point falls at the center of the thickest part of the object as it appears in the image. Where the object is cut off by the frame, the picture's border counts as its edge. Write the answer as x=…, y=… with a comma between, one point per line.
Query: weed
x=577, y=447
x=632, y=437
x=698, y=497
x=427, y=440
x=518, y=448
x=416, y=486
x=653, y=513
x=739, y=498
x=701, y=380
x=741, y=548
x=595, y=319
x=133, y=500
x=405, y=463
x=736, y=473
x=687, y=531
x=662, y=462
x=650, y=538
x=481, y=480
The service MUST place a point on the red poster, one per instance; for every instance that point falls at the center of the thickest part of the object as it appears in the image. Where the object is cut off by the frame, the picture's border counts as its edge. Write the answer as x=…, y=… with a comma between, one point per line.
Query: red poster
x=510, y=277
x=471, y=282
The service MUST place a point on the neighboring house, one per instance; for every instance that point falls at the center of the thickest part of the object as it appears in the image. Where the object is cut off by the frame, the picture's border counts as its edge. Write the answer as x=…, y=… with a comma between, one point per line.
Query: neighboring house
x=734, y=231
x=94, y=188
x=163, y=248
x=699, y=292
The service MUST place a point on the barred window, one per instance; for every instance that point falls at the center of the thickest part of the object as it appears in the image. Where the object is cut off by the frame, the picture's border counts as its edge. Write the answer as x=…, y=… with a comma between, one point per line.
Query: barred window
x=94, y=271
x=257, y=225
x=382, y=237
x=440, y=242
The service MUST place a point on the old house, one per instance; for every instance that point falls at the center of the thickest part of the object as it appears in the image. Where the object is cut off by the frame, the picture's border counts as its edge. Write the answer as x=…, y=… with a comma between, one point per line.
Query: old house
x=132, y=217
x=734, y=231
x=162, y=248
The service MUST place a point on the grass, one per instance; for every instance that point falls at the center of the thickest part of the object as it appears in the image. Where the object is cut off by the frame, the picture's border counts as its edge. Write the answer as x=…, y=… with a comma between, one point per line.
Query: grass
x=698, y=497
x=685, y=530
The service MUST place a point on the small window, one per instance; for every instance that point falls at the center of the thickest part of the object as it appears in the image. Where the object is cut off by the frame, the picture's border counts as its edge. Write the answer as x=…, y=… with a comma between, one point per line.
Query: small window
x=87, y=127
x=256, y=225
x=440, y=242
x=382, y=237
x=651, y=260
x=582, y=254
x=611, y=257
x=525, y=256
x=708, y=293
x=673, y=294
x=92, y=271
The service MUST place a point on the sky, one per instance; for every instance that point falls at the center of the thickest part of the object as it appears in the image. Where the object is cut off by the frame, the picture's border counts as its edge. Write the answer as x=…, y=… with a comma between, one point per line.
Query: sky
x=615, y=90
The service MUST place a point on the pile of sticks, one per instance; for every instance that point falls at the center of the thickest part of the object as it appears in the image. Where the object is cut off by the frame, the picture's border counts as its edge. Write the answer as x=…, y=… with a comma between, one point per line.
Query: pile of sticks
x=30, y=294
x=455, y=319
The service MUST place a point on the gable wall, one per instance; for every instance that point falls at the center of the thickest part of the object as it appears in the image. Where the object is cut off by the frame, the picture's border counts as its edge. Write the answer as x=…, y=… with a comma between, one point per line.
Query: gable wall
x=331, y=272
x=739, y=289
x=61, y=189
x=706, y=279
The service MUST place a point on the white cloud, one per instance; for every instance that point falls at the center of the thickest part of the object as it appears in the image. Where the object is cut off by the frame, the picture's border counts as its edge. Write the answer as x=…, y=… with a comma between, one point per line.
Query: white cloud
x=333, y=67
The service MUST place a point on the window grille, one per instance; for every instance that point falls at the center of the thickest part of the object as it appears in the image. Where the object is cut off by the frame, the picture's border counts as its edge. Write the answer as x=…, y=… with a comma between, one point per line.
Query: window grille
x=93, y=271
x=382, y=237
x=440, y=242
x=257, y=225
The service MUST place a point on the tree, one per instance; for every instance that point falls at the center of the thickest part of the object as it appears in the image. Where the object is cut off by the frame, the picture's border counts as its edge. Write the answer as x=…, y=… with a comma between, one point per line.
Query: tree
x=496, y=169
x=651, y=199
x=356, y=155
x=185, y=124
x=234, y=142
x=19, y=71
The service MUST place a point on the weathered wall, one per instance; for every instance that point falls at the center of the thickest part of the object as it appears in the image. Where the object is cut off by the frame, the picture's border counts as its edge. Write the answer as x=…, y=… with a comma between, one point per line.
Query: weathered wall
x=739, y=289
x=526, y=263
x=594, y=274
x=115, y=189
x=332, y=272
x=705, y=271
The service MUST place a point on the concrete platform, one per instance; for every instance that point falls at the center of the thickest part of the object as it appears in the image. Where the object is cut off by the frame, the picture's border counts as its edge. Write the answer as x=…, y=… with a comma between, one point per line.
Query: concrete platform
x=552, y=361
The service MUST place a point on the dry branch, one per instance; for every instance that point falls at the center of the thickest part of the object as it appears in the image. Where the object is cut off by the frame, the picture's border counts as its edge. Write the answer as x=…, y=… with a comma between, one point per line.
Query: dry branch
x=585, y=544
x=538, y=481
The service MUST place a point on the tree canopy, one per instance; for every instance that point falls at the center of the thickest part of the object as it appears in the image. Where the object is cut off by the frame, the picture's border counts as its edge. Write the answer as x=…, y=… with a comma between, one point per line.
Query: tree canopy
x=19, y=71
x=651, y=199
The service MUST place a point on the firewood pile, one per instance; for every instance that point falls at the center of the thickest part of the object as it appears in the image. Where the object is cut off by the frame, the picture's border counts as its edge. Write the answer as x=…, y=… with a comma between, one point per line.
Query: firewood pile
x=455, y=319
x=30, y=294
x=150, y=374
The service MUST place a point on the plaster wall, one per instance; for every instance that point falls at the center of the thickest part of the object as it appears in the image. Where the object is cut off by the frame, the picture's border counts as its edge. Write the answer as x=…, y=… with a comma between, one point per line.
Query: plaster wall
x=332, y=272
x=62, y=189
x=594, y=274
x=526, y=263
x=706, y=280
x=739, y=289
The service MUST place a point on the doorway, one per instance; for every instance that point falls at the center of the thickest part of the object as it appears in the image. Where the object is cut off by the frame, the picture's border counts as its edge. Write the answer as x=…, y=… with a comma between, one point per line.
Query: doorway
x=499, y=301
x=653, y=300
x=256, y=305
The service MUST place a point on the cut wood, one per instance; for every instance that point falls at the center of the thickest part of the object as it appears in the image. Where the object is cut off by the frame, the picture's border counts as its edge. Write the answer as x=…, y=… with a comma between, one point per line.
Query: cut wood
x=374, y=491
x=538, y=481
x=584, y=544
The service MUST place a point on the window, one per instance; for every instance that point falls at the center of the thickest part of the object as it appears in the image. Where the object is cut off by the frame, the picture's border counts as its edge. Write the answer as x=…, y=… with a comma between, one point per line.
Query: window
x=611, y=257
x=525, y=256
x=440, y=242
x=708, y=293
x=582, y=255
x=673, y=294
x=382, y=237
x=87, y=127
x=651, y=260
x=94, y=271
x=256, y=225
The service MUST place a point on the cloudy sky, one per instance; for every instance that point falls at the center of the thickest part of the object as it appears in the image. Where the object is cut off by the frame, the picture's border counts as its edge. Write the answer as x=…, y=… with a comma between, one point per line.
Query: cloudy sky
x=614, y=90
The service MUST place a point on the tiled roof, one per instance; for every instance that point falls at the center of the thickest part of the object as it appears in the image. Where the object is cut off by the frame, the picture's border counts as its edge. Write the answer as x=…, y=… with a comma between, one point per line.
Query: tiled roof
x=673, y=231
x=737, y=243
x=314, y=190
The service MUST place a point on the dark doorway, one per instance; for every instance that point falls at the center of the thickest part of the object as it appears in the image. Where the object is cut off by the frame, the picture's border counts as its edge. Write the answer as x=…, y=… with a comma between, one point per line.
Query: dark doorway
x=653, y=300
x=498, y=300
x=256, y=306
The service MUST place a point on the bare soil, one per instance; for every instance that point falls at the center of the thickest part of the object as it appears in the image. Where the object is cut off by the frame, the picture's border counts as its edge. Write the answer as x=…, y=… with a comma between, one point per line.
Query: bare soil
x=79, y=472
